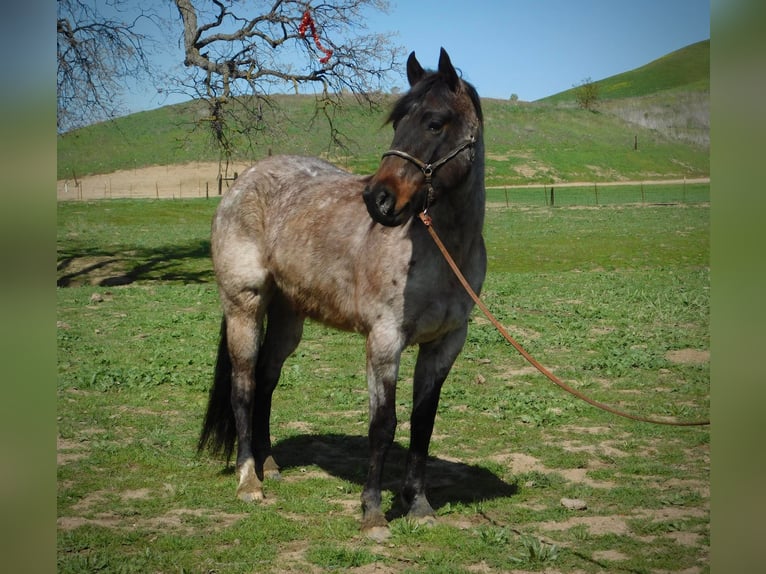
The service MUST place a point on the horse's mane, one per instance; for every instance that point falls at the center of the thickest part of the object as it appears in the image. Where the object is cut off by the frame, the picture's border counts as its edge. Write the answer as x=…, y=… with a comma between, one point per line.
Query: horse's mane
x=418, y=91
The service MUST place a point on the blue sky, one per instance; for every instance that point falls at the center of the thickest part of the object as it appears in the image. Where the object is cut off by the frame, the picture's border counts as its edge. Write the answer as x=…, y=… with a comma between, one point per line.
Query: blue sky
x=531, y=48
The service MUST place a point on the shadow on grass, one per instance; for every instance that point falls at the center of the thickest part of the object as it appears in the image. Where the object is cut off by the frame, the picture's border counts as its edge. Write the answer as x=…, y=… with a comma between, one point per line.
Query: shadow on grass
x=346, y=457
x=169, y=264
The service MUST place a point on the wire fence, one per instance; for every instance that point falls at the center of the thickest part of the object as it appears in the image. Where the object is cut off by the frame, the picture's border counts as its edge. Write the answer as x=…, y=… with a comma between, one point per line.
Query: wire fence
x=203, y=182
x=596, y=194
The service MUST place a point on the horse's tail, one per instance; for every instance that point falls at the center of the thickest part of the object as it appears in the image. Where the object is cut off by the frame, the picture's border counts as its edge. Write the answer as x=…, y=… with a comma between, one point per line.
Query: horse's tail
x=219, y=430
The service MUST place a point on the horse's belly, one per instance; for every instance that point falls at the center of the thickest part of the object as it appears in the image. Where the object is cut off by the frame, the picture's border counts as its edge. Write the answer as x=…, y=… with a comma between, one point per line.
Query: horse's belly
x=324, y=293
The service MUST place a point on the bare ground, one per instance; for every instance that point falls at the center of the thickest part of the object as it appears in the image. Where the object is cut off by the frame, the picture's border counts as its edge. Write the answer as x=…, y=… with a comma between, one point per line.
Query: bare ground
x=200, y=179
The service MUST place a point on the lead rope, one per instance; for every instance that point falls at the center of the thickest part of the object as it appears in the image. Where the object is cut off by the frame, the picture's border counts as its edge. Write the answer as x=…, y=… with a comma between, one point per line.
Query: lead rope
x=426, y=219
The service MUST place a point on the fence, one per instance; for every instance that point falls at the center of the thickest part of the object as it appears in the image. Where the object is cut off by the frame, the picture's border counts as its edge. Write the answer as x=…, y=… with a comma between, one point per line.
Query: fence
x=202, y=180
x=596, y=194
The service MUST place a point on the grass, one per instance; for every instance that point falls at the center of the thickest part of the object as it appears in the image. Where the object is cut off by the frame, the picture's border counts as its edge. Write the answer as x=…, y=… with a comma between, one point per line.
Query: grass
x=603, y=296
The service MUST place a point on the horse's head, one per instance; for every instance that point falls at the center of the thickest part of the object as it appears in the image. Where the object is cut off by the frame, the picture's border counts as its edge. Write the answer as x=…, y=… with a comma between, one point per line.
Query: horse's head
x=437, y=125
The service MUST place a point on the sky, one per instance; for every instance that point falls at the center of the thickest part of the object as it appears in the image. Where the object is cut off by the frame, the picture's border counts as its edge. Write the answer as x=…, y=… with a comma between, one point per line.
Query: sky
x=531, y=48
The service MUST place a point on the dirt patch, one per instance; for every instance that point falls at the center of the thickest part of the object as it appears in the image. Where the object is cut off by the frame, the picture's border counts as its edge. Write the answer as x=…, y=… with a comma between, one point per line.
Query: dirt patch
x=688, y=356
x=612, y=555
x=68, y=451
x=190, y=180
x=596, y=525
x=521, y=463
x=92, y=269
x=178, y=519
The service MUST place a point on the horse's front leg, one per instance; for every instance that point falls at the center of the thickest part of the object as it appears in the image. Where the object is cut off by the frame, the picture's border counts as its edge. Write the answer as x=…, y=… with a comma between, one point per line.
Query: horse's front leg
x=383, y=355
x=434, y=362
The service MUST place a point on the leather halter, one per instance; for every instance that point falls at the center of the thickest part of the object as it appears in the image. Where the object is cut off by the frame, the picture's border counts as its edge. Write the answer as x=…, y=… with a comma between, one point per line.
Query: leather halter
x=428, y=169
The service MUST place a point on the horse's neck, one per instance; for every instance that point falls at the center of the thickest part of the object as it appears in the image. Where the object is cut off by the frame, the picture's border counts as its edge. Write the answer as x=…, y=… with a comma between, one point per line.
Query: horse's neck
x=460, y=217
x=465, y=205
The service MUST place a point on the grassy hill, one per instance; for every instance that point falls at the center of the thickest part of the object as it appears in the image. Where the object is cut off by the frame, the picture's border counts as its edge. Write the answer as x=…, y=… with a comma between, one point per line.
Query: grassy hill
x=542, y=142
x=685, y=70
x=670, y=95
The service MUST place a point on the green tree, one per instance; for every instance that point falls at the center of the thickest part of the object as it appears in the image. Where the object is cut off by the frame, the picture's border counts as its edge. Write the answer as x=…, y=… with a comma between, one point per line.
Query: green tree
x=586, y=94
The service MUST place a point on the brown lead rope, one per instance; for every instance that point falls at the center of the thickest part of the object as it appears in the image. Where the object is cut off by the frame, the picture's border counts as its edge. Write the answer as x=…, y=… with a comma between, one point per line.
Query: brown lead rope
x=426, y=219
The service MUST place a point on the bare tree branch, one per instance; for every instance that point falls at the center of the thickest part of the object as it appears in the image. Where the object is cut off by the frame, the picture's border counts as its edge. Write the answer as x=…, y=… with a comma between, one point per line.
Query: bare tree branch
x=237, y=55
x=96, y=54
x=234, y=55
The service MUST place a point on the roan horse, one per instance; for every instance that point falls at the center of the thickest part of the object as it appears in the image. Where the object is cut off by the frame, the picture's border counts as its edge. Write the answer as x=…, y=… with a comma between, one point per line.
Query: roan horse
x=296, y=237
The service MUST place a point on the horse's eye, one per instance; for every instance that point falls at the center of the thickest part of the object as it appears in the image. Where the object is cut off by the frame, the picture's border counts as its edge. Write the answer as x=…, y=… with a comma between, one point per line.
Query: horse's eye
x=435, y=126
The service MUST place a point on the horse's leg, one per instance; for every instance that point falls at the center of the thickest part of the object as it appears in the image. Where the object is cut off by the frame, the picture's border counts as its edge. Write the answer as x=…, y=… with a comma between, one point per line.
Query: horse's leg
x=284, y=329
x=383, y=354
x=433, y=364
x=243, y=331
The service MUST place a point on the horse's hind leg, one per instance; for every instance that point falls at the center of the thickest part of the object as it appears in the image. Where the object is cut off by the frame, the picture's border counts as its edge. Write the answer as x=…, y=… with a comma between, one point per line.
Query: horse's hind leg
x=284, y=329
x=243, y=332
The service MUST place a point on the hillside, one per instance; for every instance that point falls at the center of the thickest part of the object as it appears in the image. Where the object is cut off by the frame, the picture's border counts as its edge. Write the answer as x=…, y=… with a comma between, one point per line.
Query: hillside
x=670, y=95
x=542, y=142
x=686, y=70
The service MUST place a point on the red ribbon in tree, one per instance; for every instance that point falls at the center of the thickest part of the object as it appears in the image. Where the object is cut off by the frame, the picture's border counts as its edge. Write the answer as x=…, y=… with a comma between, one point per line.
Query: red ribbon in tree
x=308, y=22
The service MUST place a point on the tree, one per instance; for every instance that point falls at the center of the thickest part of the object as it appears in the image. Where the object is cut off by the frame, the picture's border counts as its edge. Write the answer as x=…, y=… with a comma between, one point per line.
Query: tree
x=586, y=94
x=236, y=56
x=238, y=59
x=98, y=48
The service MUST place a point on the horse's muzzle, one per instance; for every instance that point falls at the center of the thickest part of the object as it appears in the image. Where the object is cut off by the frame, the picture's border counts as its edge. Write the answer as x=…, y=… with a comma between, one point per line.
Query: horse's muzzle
x=381, y=205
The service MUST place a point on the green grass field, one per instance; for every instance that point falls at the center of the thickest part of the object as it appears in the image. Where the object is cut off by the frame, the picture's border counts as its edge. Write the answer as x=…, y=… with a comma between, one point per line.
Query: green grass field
x=613, y=298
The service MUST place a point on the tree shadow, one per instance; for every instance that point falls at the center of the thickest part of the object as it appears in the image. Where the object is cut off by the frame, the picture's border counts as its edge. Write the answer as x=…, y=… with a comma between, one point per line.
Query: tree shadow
x=108, y=268
x=346, y=457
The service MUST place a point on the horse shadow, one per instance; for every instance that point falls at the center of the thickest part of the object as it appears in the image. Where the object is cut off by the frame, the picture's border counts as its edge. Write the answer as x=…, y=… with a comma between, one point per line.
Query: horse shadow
x=346, y=457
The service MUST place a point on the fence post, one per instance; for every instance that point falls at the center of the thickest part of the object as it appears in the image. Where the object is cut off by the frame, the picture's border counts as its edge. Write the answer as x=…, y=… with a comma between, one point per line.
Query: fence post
x=552, y=200
x=595, y=189
x=220, y=184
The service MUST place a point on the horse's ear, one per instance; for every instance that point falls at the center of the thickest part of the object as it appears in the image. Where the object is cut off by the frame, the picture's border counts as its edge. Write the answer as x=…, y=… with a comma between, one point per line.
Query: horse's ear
x=448, y=71
x=415, y=71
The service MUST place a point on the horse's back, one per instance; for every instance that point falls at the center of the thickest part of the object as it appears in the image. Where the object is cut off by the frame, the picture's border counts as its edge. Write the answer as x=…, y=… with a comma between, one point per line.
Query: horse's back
x=299, y=222
x=274, y=183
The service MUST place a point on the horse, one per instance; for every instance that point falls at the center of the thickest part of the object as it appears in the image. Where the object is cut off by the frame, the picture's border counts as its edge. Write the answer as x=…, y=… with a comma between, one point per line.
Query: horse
x=296, y=237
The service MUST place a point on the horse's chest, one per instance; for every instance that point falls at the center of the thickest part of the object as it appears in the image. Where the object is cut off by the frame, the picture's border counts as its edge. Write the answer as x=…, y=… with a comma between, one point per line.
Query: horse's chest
x=442, y=312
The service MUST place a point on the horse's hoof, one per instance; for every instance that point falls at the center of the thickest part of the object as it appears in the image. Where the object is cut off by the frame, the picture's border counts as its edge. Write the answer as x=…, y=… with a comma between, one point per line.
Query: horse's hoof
x=375, y=526
x=378, y=533
x=429, y=520
x=250, y=496
x=271, y=469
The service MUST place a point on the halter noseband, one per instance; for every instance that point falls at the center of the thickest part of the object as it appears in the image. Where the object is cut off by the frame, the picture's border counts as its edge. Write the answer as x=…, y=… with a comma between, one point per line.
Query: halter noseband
x=428, y=169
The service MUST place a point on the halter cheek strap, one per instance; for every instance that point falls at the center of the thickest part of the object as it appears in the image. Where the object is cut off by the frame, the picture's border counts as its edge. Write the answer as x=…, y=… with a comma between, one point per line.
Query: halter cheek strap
x=428, y=169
